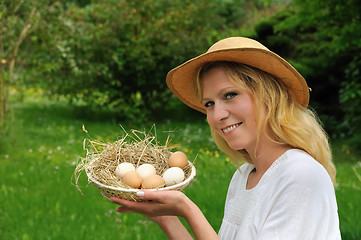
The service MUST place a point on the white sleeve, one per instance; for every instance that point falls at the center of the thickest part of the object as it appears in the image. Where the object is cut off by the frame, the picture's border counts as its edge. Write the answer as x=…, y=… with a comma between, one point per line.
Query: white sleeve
x=302, y=205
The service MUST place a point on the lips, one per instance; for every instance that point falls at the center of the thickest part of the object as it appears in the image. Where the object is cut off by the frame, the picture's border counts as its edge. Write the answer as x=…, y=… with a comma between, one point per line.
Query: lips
x=230, y=128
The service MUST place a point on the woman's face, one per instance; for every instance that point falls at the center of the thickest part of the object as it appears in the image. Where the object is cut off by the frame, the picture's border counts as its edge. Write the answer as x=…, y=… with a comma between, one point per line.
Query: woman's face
x=230, y=110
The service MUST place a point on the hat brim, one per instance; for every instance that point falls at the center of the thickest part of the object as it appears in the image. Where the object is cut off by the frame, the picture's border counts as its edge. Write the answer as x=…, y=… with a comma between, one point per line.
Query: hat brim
x=181, y=80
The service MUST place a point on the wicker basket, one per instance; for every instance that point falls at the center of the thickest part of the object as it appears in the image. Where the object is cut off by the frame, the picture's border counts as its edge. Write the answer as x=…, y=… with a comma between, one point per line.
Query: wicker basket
x=130, y=193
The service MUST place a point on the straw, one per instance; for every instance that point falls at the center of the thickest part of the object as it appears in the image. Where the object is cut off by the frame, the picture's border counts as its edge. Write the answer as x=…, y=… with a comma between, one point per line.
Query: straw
x=137, y=148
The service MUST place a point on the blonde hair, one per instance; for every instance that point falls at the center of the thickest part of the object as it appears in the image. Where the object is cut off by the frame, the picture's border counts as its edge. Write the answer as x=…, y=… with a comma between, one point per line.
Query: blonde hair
x=289, y=122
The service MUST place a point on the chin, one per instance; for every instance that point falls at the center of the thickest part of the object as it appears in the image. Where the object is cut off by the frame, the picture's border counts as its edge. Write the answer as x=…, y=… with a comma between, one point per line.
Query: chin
x=236, y=146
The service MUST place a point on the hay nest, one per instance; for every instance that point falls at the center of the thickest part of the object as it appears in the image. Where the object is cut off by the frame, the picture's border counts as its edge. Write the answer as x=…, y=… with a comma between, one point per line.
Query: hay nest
x=137, y=148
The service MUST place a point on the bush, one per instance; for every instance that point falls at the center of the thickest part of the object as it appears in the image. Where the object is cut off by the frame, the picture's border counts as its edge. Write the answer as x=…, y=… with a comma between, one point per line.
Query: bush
x=350, y=98
x=322, y=40
x=116, y=54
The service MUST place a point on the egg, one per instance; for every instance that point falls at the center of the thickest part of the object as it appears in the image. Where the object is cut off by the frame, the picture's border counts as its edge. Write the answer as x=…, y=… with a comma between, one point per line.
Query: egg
x=123, y=168
x=173, y=176
x=145, y=170
x=178, y=159
x=132, y=179
x=153, y=181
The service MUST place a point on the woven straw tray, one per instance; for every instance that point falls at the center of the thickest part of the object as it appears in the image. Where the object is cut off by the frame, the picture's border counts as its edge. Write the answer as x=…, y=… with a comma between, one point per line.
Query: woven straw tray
x=130, y=193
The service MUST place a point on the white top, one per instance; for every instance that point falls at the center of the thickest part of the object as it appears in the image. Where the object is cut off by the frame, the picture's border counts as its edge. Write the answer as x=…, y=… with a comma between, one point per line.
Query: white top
x=294, y=199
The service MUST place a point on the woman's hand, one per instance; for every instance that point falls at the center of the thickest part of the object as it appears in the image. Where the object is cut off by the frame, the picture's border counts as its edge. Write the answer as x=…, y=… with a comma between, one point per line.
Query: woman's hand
x=163, y=207
x=159, y=203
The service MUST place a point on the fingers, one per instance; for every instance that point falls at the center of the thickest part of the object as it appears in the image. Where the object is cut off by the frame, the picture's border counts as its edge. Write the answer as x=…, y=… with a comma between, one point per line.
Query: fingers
x=148, y=195
x=148, y=209
x=158, y=196
x=124, y=210
x=117, y=200
x=143, y=194
x=131, y=205
x=157, y=203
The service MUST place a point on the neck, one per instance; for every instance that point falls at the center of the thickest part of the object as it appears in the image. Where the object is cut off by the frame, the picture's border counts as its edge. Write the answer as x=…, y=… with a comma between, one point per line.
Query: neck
x=265, y=154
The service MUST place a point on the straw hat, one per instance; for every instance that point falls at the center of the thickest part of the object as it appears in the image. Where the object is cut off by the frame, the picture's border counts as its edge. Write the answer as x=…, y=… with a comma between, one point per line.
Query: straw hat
x=181, y=80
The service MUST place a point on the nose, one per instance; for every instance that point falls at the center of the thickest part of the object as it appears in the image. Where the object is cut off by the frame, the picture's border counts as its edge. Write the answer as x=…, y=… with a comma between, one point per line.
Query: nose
x=219, y=112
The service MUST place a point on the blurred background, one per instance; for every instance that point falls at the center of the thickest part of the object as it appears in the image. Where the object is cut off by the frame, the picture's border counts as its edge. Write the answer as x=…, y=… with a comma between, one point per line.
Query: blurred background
x=103, y=63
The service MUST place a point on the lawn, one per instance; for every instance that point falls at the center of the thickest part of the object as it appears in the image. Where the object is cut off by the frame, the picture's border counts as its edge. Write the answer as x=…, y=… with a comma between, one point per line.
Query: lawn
x=38, y=199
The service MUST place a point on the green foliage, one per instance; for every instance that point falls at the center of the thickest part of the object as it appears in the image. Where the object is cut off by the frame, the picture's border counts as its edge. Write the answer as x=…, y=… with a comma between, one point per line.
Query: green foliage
x=17, y=20
x=116, y=54
x=38, y=160
x=322, y=39
x=350, y=99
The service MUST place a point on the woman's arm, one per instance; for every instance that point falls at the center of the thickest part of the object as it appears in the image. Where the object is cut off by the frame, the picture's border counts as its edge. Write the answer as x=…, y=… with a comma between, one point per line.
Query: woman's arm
x=198, y=222
x=173, y=228
x=164, y=207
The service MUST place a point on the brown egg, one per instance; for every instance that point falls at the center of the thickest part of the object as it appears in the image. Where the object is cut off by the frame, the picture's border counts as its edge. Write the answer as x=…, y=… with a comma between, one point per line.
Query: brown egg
x=132, y=179
x=178, y=159
x=153, y=181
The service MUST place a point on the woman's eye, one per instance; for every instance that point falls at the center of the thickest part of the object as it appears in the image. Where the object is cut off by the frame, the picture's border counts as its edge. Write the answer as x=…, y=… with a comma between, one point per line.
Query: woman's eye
x=230, y=95
x=209, y=104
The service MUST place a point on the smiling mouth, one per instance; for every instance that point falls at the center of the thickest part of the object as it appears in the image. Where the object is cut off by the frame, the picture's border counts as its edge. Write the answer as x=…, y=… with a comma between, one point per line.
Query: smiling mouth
x=230, y=128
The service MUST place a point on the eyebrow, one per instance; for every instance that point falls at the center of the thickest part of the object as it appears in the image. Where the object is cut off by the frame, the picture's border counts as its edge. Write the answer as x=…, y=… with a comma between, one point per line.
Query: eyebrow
x=204, y=100
x=222, y=92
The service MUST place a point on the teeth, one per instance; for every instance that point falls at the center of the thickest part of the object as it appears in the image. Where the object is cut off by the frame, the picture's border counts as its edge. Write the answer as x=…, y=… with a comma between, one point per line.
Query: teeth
x=228, y=129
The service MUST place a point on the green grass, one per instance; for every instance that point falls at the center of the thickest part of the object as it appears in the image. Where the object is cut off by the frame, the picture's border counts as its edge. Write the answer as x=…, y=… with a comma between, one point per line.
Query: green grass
x=348, y=190
x=38, y=157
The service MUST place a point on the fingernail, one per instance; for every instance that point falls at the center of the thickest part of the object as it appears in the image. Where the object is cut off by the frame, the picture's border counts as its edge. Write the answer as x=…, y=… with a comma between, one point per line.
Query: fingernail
x=140, y=194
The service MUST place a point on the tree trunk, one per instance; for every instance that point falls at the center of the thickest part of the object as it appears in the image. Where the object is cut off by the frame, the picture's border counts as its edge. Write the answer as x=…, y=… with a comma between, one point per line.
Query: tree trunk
x=5, y=85
x=3, y=89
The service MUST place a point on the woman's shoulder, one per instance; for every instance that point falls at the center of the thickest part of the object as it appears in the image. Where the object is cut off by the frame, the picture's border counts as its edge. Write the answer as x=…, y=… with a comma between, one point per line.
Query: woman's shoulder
x=300, y=169
x=299, y=163
x=299, y=199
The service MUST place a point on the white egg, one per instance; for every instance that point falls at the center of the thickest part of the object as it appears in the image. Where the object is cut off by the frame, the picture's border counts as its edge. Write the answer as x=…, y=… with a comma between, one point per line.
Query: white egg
x=145, y=170
x=173, y=176
x=123, y=168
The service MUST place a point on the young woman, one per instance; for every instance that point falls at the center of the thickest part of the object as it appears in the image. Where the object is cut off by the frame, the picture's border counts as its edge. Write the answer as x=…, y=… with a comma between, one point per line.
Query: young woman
x=256, y=105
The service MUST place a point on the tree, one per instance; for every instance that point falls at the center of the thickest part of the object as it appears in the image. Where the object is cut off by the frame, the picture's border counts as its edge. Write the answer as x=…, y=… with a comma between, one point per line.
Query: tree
x=115, y=54
x=322, y=38
x=17, y=22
